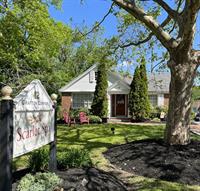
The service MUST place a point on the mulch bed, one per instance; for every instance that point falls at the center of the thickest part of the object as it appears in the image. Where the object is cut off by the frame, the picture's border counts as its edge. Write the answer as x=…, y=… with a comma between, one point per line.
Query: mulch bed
x=84, y=179
x=154, y=159
x=90, y=179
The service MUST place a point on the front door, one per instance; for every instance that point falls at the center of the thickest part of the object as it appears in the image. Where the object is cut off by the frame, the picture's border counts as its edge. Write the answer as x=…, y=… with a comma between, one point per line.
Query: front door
x=120, y=105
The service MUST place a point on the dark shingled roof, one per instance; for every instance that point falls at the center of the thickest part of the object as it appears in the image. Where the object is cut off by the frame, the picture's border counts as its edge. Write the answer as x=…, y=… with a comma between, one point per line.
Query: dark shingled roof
x=157, y=82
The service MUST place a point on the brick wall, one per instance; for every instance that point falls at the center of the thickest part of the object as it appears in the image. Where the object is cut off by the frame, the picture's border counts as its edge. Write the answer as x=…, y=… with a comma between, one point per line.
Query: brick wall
x=66, y=101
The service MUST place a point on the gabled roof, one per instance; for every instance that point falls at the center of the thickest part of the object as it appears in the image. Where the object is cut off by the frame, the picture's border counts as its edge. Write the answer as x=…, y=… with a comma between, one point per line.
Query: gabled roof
x=78, y=78
x=120, y=78
x=117, y=83
x=157, y=82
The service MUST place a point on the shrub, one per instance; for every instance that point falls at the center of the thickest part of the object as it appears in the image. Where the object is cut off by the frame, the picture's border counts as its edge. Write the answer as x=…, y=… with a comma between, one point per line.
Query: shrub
x=74, y=113
x=100, y=102
x=59, y=113
x=74, y=158
x=139, y=105
x=155, y=111
x=39, y=160
x=39, y=182
x=95, y=119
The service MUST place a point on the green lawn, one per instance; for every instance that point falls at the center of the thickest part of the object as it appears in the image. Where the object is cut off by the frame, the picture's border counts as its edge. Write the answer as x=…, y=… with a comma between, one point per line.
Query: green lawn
x=98, y=138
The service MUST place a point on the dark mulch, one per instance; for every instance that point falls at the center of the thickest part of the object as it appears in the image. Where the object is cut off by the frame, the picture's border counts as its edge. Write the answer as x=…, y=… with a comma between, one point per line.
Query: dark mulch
x=87, y=179
x=152, y=158
x=90, y=179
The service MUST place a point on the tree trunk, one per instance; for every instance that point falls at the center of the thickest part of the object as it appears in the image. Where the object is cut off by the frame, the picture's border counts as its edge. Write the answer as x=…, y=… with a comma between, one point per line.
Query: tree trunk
x=177, y=130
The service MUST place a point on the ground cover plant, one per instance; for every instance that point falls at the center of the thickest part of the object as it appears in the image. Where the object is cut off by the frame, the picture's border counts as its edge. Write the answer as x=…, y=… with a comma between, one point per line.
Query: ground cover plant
x=39, y=182
x=97, y=139
x=73, y=157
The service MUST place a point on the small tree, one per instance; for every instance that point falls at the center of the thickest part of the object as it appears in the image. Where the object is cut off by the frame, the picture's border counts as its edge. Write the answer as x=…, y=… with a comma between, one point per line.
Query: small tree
x=100, y=103
x=144, y=99
x=138, y=97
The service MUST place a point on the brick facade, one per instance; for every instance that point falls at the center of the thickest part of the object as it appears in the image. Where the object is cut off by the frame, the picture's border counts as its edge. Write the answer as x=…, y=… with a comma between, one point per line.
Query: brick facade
x=66, y=101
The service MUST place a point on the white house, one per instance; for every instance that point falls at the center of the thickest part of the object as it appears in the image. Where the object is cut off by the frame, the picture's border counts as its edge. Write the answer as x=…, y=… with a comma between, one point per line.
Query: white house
x=79, y=92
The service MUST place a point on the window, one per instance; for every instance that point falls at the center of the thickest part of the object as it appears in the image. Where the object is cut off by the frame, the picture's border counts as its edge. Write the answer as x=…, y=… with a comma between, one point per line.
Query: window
x=153, y=100
x=82, y=100
x=92, y=76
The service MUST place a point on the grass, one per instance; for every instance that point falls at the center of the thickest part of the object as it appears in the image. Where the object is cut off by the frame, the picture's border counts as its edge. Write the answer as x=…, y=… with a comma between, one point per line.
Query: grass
x=98, y=138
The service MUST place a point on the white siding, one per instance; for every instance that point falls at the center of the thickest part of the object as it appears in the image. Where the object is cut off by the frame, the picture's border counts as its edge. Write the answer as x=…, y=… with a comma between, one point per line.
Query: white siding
x=118, y=88
x=160, y=100
x=83, y=85
x=87, y=84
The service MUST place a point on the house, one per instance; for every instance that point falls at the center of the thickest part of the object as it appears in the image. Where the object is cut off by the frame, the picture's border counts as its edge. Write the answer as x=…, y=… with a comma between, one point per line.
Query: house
x=79, y=92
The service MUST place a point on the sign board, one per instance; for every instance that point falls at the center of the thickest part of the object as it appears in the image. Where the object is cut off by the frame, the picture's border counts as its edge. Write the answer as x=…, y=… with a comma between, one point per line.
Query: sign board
x=33, y=119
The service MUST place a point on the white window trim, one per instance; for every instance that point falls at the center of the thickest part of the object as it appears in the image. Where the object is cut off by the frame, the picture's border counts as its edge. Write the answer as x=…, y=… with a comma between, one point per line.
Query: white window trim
x=84, y=102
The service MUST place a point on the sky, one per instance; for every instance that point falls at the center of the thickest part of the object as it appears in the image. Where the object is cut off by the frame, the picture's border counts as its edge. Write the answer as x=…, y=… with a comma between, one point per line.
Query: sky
x=88, y=12
x=94, y=10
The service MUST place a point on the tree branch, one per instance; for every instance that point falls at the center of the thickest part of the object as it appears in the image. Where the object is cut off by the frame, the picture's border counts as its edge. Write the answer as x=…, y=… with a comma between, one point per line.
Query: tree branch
x=196, y=56
x=188, y=27
x=137, y=43
x=100, y=22
x=178, y=20
x=172, y=13
x=158, y=64
x=149, y=36
x=164, y=37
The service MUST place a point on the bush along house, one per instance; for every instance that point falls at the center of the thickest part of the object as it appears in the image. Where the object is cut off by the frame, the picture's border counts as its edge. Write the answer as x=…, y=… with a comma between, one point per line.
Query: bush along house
x=79, y=92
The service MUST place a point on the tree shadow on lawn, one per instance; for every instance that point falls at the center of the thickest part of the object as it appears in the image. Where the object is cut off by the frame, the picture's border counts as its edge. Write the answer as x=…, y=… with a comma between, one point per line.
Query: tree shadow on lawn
x=87, y=143
x=101, y=135
x=152, y=158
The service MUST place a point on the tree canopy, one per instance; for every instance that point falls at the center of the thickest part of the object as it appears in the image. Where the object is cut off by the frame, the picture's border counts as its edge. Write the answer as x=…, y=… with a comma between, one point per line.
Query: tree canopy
x=34, y=46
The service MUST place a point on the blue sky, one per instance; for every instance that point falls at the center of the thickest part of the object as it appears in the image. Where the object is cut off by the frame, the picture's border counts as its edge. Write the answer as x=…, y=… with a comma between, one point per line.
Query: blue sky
x=94, y=10
x=90, y=11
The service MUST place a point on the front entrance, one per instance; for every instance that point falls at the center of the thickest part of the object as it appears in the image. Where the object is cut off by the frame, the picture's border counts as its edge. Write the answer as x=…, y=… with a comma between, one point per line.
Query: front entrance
x=119, y=105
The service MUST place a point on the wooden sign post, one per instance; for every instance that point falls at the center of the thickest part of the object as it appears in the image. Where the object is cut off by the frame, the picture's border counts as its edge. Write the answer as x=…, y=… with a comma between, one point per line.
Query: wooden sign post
x=53, y=149
x=6, y=139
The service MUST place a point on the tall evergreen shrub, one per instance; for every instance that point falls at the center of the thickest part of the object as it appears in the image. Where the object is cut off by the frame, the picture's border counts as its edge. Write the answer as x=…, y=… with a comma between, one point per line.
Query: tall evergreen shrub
x=100, y=103
x=139, y=105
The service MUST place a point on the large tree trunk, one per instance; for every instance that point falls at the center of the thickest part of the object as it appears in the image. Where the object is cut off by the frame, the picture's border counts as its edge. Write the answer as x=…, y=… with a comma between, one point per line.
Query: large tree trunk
x=178, y=120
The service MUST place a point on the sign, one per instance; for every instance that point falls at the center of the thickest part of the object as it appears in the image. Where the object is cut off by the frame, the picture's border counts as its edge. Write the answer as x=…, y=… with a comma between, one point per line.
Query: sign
x=33, y=119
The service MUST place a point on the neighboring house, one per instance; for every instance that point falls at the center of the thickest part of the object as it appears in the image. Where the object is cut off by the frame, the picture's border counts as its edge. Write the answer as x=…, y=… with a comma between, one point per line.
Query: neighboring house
x=79, y=92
